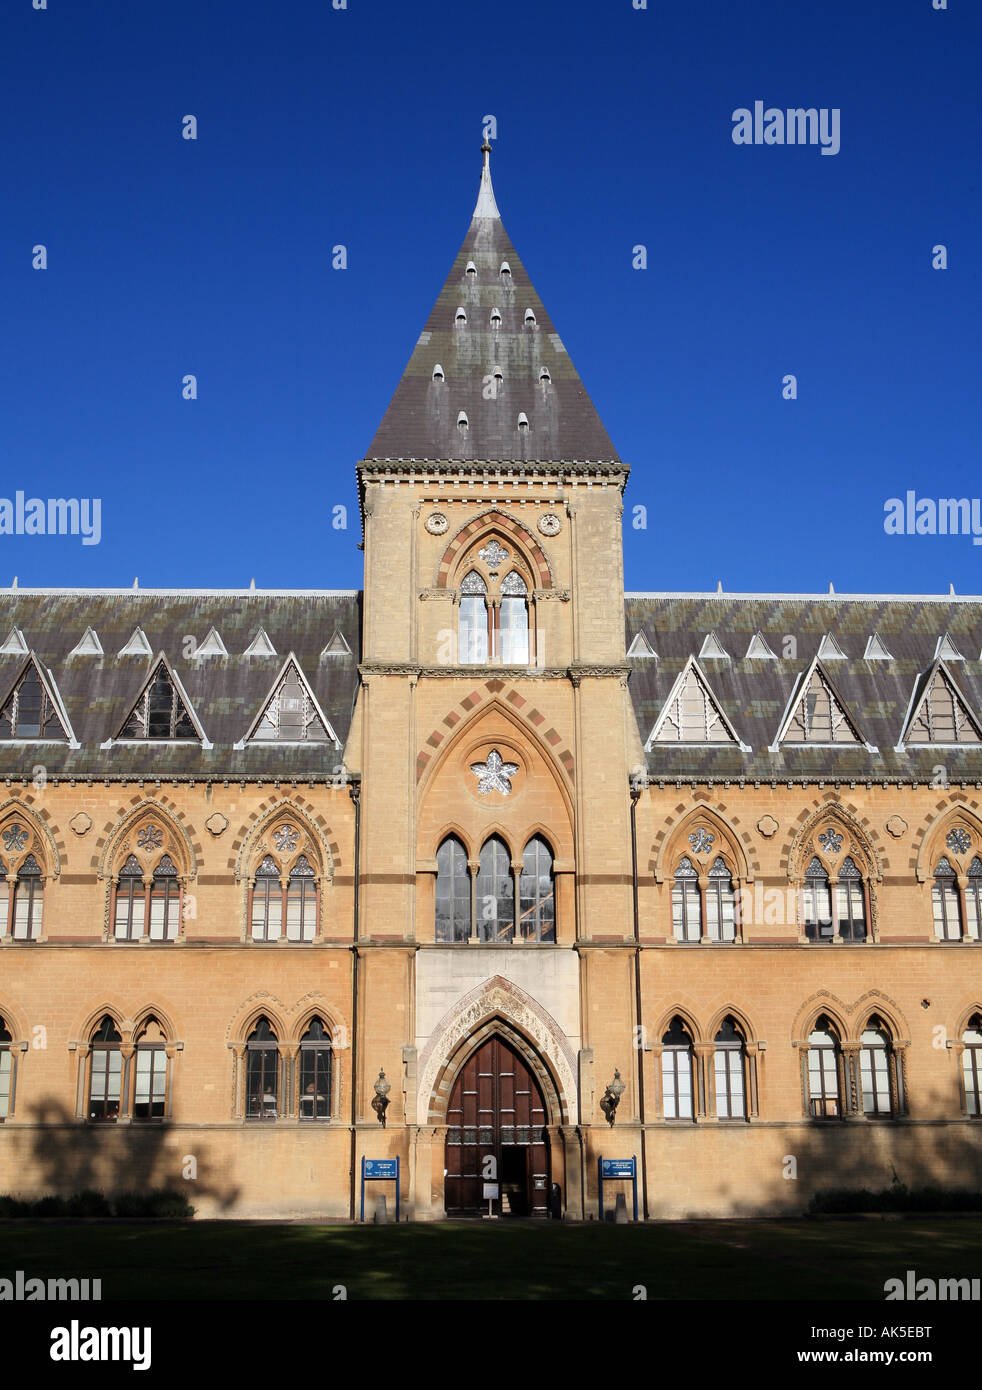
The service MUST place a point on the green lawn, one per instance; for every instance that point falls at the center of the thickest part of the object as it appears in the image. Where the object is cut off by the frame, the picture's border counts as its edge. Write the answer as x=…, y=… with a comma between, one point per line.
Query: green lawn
x=692, y=1259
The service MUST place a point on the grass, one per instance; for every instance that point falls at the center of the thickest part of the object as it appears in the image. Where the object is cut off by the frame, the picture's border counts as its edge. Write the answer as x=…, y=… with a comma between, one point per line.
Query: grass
x=801, y=1259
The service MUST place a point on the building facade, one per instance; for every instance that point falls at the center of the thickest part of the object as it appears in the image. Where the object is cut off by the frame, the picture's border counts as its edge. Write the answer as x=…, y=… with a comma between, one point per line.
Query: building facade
x=536, y=871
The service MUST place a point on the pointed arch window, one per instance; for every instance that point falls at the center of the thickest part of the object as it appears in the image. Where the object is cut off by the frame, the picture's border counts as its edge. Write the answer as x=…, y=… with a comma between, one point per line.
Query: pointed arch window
x=473, y=620
x=105, y=1072
x=262, y=1073
x=729, y=1071
x=972, y=1066
x=453, y=892
x=946, y=902
x=150, y=1073
x=514, y=620
x=677, y=1072
x=160, y=712
x=537, y=898
x=495, y=892
x=817, y=902
x=850, y=900
x=875, y=1058
x=686, y=907
x=6, y=1072
x=28, y=904
x=973, y=899
x=147, y=903
x=29, y=711
x=824, y=1069
x=720, y=903
x=315, y=1072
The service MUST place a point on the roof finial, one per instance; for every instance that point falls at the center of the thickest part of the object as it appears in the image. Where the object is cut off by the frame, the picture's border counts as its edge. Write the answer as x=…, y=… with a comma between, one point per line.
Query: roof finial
x=486, y=206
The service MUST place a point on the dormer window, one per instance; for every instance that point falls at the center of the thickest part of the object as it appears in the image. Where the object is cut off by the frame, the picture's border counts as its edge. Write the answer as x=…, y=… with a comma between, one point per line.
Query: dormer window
x=462, y=421
x=460, y=316
x=505, y=269
x=544, y=375
x=495, y=319
x=529, y=318
x=497, y=373
x=471, y=270
x=523, y=423
x=437, y=372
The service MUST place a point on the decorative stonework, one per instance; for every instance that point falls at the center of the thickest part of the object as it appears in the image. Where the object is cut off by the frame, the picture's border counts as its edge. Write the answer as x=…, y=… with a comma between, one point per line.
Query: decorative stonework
x=550, y=524
x=494, y=775
x=768, y=826
x=216, y=823
x=436, y=523
x=830, y=841
x=498, y=998
x=958, y=840
x=701, y=840
x=80, y=823
x=896, y=826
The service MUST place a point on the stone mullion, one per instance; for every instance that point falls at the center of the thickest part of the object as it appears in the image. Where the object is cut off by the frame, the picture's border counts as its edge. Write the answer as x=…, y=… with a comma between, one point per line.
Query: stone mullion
x=705, y=1097
x=473, y=865
x=853, y=1079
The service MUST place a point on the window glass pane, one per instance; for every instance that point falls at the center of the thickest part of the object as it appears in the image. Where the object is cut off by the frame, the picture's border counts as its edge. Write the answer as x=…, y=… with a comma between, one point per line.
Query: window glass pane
x=514, y=632
x=495, y=893
x=6, y=1079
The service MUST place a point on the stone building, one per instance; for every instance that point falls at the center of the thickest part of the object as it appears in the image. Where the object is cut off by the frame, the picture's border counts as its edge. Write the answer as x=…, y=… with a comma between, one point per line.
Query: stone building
x=537, y=871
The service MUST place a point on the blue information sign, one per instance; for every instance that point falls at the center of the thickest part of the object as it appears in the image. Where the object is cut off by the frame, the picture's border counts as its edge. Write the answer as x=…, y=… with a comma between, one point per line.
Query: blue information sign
x=615, y=1170
x=379, y=1170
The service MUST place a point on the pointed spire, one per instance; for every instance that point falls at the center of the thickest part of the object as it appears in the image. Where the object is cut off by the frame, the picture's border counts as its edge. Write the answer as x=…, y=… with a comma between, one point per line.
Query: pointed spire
x=485, y=205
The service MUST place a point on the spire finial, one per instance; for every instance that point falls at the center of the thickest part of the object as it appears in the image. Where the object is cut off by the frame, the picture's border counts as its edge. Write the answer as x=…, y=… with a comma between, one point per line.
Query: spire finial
x=486, y=205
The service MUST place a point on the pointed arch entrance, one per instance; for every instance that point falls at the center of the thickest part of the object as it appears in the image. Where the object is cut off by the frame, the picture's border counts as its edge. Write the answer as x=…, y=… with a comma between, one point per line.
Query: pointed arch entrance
x=497, y=1110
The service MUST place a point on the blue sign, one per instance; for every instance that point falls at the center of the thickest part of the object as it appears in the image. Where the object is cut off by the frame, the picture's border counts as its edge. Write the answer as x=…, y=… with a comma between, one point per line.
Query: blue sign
x=381, y=1167
x=618, y=1167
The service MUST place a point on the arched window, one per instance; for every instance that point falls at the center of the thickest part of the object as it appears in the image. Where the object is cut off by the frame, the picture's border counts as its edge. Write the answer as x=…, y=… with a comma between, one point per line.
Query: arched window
x=267, y=902
x=973, y=899
x=150, y=1074
x=972, y=1065
x=495, y=892
x=720, y=903
x=105, y=1072
x=945, y=899
x=514, y=620
x=131, y=901
x=28, y=900
x=472, y=641
x=6, y=1072
x=301, y=902
x=453, y=892
x=22, y=881
x=817, y=903
x=676, y=1072
x=686, y=910
x=315, y=1072
x=537, y=898
x=874, y=1068
x=824, y=1096
x=850, y=902
x=262, y=1073
x=729, y=1072
x=147, y=888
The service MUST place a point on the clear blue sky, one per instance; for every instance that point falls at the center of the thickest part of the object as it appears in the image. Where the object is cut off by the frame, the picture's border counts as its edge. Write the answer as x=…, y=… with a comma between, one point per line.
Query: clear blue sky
x=362, y=126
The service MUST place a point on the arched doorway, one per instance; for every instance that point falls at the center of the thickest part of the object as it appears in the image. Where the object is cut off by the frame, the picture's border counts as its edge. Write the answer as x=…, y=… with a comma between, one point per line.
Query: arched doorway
x=497, y=1109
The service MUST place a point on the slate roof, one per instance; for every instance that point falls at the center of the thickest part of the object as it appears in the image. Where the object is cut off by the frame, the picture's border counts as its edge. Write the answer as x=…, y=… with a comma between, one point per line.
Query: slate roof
x=226, y=692
x=421, y=420
x=754, y=693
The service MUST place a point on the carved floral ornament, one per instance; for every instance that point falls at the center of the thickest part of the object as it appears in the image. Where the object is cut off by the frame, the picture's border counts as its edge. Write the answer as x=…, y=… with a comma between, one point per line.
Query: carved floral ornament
x=550, y=524
x=20, y=846
x=494, y=774
x=149, y=842
x=287, y=845
x=436, y=523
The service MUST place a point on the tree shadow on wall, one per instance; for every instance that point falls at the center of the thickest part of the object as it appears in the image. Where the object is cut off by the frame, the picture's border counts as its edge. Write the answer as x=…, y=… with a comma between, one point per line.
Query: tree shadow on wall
x=69, y=1155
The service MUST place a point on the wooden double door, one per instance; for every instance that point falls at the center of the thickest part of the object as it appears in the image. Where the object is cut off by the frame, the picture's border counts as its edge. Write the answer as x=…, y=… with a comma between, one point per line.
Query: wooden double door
x=497, y=1110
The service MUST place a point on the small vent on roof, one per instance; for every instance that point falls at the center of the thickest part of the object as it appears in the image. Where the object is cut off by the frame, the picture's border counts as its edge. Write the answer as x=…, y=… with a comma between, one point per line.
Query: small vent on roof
x=876, y=650
x=713, y=648
x=759, y=650
x=946, y=650
x=640, y=646
x=437, y=372
x=497, y=373
x=137, y=645
x=260, y=645
x=544, y=374
x=495, y=318
x=471, y=268
x=529, y=318
x=829, y=649
x=523, y=422
x=505, y=268
x=460, y=316
x=14, y=644
x=212, y=645
x=337, y=645
x=462, y=421
x=89, y=645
